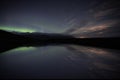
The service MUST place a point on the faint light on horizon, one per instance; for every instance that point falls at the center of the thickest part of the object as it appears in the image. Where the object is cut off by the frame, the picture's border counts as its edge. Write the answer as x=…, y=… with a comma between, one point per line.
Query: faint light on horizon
x=9, y=28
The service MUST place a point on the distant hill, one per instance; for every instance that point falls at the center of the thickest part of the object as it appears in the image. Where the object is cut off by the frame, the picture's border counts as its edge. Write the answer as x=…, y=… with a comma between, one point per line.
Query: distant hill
x=6, y=35
x=33, y=39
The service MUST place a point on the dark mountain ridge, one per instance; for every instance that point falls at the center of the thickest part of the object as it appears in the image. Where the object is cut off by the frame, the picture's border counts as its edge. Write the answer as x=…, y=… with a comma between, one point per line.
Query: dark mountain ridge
x=36, y=39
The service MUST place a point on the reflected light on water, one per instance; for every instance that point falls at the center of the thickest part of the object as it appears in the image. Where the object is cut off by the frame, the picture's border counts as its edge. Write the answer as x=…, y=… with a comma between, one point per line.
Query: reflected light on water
x=93, y=51
x=60, y=61
x=22, y=49
x=98, y=60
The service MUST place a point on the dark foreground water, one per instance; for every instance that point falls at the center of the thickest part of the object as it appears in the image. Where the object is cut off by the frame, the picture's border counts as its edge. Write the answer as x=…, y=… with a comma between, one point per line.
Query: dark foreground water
x=65, y=61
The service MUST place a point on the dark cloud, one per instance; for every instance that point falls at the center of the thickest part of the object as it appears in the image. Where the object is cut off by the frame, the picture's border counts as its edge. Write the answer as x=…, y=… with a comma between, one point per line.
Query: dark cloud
x=102, y=21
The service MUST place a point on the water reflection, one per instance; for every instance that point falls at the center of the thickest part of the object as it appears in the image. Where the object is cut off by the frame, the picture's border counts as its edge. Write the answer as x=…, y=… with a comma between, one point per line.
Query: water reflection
x=94, y=52
x=59, y=61
x=102, y=62
x=21, y=49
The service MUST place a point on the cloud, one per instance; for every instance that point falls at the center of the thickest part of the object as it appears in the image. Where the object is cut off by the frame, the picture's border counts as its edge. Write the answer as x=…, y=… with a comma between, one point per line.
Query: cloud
x=100, y=19
x=103, y=13
x=94, y=27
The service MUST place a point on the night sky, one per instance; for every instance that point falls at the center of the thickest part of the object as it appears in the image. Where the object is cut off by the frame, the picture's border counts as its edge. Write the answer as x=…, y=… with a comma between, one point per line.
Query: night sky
x=81, y=18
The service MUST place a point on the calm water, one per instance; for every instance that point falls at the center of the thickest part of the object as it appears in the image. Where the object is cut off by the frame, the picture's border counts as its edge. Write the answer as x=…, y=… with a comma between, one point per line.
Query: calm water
x=65, y=61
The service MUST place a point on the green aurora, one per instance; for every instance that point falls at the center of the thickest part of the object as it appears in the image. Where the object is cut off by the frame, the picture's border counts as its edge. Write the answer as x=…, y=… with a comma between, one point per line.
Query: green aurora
x=9, y=28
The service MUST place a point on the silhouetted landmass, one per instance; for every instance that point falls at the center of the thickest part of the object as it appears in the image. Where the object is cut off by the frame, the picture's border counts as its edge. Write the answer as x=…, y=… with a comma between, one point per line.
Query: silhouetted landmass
x=9, y=40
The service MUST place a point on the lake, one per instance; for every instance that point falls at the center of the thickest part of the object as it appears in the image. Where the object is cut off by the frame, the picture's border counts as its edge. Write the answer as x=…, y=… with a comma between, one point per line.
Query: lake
x=60, y=61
